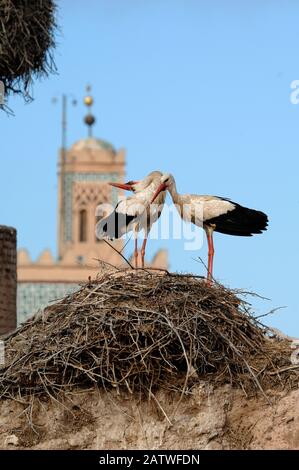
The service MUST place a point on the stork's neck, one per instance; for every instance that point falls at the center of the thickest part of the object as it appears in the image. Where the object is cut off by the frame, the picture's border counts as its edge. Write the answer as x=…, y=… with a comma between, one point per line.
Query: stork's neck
x=174, y=193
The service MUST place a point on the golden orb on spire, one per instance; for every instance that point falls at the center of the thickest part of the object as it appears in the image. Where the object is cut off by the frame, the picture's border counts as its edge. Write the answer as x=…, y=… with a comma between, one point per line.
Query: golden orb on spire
x=88, y=100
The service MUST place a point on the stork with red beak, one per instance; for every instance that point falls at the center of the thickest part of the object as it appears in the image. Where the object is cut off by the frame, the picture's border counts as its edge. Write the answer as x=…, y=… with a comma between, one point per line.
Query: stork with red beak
x=214, y=214
x=135, y=213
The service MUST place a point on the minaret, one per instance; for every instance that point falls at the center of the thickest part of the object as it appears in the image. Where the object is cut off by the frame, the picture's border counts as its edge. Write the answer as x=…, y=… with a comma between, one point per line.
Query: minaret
x=86, y=168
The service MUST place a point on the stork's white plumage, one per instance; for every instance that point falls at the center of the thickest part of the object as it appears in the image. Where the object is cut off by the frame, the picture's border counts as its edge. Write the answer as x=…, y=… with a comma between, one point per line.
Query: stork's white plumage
x=136, y=212
x=214, y=213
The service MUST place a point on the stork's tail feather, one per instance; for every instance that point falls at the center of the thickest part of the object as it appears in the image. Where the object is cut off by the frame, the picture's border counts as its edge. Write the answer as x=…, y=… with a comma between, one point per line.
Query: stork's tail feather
x=241, y=221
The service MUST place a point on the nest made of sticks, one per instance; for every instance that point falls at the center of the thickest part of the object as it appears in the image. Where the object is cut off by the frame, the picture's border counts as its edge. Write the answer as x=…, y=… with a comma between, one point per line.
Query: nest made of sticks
x=26, y=42
x=142, y=331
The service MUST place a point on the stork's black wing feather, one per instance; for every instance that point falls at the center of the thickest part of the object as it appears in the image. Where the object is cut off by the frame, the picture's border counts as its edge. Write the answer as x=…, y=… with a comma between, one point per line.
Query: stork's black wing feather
x=240, y=221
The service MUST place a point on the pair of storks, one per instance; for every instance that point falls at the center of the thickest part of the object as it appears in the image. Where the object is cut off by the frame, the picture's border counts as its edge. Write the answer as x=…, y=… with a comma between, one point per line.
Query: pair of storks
x=144, y=207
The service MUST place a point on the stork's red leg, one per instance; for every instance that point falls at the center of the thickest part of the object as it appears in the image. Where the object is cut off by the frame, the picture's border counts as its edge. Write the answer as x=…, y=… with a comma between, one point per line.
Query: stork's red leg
x=209, y=233
x=143, y=250
x=136, y=252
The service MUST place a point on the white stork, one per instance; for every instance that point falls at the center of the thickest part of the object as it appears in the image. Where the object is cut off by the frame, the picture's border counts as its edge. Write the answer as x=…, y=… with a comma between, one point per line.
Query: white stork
x=214, y=214
x=135, y=213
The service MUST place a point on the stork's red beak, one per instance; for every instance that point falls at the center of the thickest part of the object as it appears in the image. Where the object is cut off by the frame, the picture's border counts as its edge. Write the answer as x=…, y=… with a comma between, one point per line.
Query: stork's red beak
x=125, y=186
x=161, y=188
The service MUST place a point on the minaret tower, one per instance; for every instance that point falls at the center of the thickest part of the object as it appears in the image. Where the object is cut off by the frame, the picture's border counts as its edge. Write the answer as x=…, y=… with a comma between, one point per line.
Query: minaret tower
x=85, y=169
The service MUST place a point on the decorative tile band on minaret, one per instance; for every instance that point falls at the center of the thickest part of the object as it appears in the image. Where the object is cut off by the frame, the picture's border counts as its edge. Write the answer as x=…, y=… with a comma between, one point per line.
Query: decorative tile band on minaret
x=69, y=180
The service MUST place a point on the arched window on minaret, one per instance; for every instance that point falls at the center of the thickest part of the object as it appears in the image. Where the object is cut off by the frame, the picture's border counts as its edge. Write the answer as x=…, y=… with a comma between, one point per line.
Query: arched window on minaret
x=99, y=214
x=83, y=225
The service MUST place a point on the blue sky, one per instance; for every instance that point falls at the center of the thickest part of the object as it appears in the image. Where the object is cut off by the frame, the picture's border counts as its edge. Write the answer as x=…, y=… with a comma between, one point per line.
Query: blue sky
x=200, y=89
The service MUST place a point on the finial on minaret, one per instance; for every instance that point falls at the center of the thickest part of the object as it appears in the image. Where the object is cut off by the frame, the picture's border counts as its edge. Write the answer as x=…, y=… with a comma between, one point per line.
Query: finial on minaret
x=89, y=118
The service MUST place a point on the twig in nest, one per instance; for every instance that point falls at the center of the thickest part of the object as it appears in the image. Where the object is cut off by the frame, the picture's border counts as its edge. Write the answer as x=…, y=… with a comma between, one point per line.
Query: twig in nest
x=120, y=254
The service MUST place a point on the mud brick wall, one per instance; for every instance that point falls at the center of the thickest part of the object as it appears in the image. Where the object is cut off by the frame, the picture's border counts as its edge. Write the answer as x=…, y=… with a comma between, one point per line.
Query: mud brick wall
x=8, y=279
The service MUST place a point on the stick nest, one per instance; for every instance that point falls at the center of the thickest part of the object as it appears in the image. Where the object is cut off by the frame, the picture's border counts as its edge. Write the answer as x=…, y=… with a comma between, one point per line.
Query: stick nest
x=26, y=42
x=143, y=331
